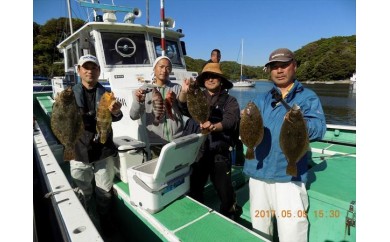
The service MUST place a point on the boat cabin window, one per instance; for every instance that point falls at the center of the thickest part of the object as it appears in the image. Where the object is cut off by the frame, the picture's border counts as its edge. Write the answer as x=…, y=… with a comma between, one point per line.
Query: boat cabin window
x=124, y=49
x=72, y=55
x=172, y=50
x=74, y=52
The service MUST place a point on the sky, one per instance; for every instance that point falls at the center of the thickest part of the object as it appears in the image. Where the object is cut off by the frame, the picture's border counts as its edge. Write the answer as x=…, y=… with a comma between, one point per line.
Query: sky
x=264, y=25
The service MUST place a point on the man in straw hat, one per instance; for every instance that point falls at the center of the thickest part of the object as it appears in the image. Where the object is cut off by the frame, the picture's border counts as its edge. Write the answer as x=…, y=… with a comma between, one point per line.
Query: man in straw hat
x=272, y=191
x=215, y=156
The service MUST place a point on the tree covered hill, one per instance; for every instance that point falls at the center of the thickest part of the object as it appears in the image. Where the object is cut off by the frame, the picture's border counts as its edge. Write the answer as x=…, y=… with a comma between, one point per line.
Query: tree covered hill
x=325, y=59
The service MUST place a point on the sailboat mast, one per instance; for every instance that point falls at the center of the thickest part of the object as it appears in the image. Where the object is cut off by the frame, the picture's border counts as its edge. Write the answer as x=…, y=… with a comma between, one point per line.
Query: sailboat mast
x=242, y=56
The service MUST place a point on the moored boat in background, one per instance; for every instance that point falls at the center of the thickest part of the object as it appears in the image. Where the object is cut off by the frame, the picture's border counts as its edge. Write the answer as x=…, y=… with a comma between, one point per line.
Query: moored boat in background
x=242, y=82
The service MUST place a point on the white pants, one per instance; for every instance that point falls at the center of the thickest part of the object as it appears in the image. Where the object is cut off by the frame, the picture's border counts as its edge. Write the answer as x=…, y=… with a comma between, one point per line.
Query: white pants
x=287, y=201
x=83, y=173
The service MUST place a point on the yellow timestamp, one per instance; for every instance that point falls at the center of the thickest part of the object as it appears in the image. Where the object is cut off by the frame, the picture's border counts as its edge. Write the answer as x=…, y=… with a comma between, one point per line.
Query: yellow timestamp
x=332, y=213
x=284, y=213
x=287, y=213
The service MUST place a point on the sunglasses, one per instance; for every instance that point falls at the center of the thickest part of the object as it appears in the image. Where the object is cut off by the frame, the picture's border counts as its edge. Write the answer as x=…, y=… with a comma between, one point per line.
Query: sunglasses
x=211, y=76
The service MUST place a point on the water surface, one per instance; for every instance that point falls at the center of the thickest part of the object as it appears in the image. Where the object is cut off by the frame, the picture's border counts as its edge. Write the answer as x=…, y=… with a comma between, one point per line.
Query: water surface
x=338, y=100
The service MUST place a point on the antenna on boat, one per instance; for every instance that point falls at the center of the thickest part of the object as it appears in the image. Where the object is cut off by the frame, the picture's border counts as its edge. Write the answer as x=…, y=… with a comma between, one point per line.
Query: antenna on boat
x=110, y=10
x=147, y=12
x=70, y=18
x=164, y=23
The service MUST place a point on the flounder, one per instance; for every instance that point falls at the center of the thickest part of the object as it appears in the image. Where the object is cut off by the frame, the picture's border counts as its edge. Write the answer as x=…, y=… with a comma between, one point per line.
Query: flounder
x=66, y=122
x=197, y=103
x=294, y=139
x=251, y=128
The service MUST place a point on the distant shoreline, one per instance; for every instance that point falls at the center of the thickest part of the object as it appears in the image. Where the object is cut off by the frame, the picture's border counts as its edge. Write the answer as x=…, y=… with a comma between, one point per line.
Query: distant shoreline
x=328, y=82
x=310, y=82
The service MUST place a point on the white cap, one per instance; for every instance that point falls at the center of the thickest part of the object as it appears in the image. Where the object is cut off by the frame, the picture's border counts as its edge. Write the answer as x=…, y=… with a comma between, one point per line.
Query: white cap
x=88, y=58
x=159, y=58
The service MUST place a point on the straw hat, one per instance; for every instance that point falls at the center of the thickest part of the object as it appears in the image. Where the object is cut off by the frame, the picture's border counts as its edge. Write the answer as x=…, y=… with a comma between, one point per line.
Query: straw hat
x=213, y=68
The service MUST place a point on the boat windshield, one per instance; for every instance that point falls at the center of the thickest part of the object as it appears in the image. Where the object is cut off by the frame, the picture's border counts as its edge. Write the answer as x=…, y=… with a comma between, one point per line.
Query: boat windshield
x=124, y=49
x=131, y=49
x=172, y=51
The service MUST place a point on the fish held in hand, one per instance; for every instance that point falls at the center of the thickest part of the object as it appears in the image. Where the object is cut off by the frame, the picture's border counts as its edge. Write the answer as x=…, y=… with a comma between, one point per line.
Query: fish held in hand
x=197, y=103
x=168, y=102
x=158, y=106
x=66, y=122
x=103, y=117
x=251, y=129
x=294, y=139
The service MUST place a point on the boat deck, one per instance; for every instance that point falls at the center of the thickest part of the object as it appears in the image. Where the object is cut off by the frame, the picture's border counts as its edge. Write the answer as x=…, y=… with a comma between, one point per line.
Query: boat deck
x=331, y=190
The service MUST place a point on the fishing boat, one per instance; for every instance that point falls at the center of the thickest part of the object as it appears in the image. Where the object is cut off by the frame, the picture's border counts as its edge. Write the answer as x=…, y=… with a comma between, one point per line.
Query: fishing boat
x=41, y=84
x=125, y=52
x=243, y=82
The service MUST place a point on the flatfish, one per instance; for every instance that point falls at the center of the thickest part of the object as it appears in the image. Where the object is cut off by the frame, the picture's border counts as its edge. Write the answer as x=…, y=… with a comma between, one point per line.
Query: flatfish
x=158, y=106
x=197, y=103
x=66, y=122
x=251, y=129
x=168, y=102
x=293, y=139
x=103, y=117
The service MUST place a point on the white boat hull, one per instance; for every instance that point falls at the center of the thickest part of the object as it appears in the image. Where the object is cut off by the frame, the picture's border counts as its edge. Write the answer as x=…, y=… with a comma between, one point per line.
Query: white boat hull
x=244, y=84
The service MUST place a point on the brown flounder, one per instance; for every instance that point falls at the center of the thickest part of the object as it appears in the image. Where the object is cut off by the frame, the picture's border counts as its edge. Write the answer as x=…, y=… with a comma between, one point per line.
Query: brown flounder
x=197, y=103
x=251, y=128
x=293, y=139
x=66, y=122
x=103, y=116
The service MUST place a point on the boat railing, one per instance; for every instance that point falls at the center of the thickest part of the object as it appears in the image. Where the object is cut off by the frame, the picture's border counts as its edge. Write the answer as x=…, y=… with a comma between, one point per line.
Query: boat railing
x=74, y=222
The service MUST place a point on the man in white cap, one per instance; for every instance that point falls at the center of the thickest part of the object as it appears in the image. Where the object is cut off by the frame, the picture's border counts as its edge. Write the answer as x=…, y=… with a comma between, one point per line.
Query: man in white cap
x=94, y=159
x=160, y=114
x=272, y=192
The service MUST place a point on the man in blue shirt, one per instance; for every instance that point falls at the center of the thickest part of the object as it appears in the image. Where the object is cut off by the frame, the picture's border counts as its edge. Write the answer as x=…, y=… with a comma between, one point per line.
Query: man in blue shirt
x=273, y=193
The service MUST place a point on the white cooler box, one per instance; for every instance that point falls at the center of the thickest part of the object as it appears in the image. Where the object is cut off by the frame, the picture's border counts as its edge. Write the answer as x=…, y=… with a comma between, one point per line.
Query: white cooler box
x=131, y=152
x=158, y=182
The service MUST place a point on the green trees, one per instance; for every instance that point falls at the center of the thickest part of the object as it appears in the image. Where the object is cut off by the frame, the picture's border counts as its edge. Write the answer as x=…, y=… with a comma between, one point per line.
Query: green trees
x=327, y=59
x=45, y=40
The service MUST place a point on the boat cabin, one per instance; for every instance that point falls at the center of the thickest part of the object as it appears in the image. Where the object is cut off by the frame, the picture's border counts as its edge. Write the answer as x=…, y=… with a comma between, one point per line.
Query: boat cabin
x=126, y=52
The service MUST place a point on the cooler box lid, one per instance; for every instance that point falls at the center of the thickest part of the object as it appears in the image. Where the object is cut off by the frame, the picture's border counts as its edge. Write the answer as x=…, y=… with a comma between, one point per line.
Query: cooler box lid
x=124, y=143
x=177, y=154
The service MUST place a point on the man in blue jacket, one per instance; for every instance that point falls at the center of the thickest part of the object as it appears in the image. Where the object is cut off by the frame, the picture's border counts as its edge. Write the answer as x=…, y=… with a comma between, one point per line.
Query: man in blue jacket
x=273, y=193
